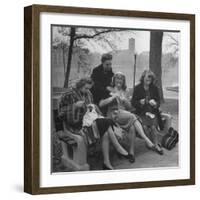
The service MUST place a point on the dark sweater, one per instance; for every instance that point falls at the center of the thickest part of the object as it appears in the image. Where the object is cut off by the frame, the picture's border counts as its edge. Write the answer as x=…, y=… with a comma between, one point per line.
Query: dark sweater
x=101, y=80
x=140, y=93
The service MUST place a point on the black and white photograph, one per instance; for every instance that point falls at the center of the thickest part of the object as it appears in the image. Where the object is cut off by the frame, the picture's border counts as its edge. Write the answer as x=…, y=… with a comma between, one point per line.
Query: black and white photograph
x=114, y=98
x=109, y=99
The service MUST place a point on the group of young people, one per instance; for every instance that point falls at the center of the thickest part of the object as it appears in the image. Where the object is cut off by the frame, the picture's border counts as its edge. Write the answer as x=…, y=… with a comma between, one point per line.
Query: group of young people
x=118, y=111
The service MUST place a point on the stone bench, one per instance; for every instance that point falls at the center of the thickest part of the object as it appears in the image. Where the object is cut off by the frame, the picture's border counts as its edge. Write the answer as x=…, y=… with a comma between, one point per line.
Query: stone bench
x=74, y=151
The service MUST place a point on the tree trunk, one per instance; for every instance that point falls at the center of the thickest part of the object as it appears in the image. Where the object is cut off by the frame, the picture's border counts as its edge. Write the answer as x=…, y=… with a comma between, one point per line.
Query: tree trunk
x=155, y=58
x=69, y=59
x=63, y=54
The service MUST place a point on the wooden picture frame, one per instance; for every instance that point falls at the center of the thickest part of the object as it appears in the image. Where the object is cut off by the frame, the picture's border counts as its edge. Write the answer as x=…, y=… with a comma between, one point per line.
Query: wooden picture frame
x=32, y=97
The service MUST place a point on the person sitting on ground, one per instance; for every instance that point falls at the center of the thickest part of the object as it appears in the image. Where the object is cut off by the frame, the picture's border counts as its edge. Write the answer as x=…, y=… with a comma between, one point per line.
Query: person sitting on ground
x=73, y=106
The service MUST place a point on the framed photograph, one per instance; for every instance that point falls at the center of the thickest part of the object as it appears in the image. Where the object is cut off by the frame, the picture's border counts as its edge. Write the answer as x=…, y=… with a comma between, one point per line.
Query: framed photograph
x=109, y=99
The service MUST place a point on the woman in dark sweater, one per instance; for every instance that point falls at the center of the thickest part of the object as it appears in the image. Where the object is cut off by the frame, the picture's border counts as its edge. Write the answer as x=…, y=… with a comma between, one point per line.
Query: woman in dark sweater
x=146, y=100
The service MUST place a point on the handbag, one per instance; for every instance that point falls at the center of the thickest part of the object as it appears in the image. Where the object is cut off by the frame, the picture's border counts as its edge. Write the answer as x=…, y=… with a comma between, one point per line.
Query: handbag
x=170, y=140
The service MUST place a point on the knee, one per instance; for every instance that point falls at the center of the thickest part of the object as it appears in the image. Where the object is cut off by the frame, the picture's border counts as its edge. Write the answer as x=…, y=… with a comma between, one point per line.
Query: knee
x=106, y=134
x=79, y=139
x=134, y=117
x=167, y=116
x=110, y=130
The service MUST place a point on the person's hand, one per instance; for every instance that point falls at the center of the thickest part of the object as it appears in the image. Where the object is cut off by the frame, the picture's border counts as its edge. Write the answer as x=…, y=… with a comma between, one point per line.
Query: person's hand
x=114, y=95
x=109, y=88
x=152, y=102
x=79, y=104
x=142, y=101
x=124, y=100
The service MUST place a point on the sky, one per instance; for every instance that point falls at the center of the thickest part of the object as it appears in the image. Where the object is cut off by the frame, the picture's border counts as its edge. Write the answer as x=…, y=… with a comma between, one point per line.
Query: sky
x=142, y=41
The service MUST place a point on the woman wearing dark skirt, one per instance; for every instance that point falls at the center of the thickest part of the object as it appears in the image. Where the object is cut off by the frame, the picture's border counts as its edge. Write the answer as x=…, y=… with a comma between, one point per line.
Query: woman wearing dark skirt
x=104, y=129
x=72, y=108
x=146, y=101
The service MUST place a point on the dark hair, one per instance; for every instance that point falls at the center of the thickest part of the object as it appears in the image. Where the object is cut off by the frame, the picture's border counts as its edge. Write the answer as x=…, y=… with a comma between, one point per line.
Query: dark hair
x=151, y=74
x=121, y=75
x=105, y=57
x=83, y=81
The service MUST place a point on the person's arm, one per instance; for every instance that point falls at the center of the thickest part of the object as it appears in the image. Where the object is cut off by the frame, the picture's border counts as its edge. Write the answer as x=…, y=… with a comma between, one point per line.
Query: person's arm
x=156, y=97
x=90, y=96
x=126, y=102
x=105, y=102
x=136, y=100
x=65, y=105
x=98, y=110
x=68, y=105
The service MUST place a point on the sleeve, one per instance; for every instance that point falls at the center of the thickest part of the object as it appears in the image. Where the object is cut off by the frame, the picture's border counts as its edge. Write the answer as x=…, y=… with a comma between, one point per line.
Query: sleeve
x=66, y=105
x=97, y=82
x=91, y=99
x=126, y=101
x=135, y=101
x=98, y=110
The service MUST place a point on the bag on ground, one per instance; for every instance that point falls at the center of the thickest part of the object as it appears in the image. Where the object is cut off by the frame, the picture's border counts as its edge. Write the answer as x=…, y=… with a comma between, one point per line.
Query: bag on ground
x=170, y=140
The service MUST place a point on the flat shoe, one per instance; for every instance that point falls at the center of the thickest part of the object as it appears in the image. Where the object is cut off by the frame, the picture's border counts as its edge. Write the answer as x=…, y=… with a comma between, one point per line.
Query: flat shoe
x=151, y=148
x=106, y=168
x=131, y=158
x=159, y=151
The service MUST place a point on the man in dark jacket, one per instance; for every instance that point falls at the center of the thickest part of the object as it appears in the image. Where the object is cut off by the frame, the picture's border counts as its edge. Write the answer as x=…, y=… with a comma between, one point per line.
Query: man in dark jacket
x=102, y=78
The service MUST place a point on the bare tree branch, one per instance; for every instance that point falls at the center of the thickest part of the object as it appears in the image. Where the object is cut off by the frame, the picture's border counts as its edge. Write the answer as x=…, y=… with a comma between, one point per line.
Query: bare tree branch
x=172, y=38
x=173, y=44
x=85, y=36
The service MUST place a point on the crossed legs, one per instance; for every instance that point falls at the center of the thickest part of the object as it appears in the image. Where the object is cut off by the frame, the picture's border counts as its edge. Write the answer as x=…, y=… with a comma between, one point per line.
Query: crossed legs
x=109, y=136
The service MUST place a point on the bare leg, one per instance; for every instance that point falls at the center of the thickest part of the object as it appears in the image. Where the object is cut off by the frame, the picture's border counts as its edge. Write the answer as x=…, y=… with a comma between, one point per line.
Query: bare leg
x=115, y=142
x=154, y=135
x=105, y=150
x=131, y=137
x=142, y=134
